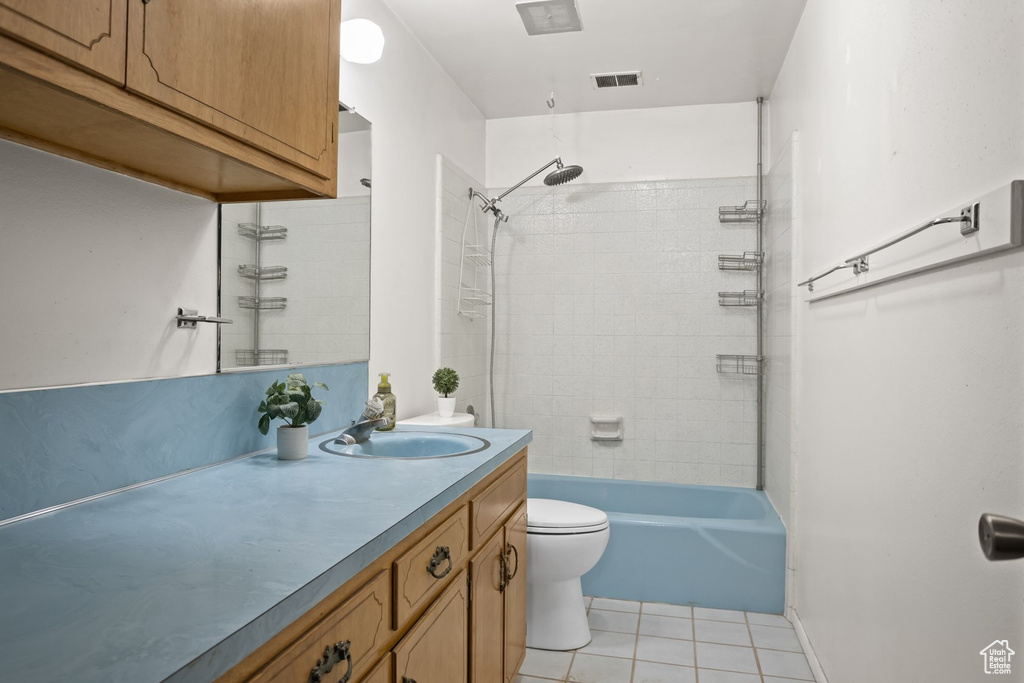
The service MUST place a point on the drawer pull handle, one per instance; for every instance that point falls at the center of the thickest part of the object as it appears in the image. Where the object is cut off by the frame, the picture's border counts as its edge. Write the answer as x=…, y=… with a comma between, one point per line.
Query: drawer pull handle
x=442, y=553
x=333, y=654
x=508, y=554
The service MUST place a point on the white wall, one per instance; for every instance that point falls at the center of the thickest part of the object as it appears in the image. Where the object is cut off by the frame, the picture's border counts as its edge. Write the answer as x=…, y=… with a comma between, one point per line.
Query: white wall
x=910, y=411
x=92, y=269
x=782, y=356
x=417, y=112
x=669, y=143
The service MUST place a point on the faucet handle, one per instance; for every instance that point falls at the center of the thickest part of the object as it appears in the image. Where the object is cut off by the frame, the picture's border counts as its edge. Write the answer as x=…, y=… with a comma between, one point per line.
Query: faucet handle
x=374, y=409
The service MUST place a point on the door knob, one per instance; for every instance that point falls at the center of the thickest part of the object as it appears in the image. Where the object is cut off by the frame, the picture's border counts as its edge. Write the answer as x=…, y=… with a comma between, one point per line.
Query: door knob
x=1002, y=538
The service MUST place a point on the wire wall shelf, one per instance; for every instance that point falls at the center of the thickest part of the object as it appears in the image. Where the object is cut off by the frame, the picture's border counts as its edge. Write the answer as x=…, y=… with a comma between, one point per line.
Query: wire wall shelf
x=474, y=267
x=748, y=260
x=264, y=303
x=476, y=297
x=261, y=273
x=739, y=365
x=477, y=254
x=747, y=213
x=748, y=297
x=263, y=233
x=262, y=357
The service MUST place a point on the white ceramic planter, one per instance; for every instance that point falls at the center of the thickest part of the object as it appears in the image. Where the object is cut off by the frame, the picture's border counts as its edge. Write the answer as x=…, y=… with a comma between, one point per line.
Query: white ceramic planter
x=446, y=406
x=292, y=442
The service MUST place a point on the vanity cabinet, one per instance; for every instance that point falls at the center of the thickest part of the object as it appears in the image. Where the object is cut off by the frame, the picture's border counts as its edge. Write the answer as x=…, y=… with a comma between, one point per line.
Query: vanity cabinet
x=233, y=100
x=429, y=610
x=88, y=33
x=257, y=71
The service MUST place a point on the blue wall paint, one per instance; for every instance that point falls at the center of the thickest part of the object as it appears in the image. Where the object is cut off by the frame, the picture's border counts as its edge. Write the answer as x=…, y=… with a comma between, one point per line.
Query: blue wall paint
x=59, y=445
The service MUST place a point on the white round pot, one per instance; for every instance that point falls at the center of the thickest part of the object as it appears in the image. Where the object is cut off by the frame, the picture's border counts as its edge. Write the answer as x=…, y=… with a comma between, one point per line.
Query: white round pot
x=446, y=406
x=292, y=442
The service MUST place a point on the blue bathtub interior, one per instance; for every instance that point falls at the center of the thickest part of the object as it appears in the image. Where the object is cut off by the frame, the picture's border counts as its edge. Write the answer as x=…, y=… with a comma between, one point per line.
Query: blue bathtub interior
x=707, y=546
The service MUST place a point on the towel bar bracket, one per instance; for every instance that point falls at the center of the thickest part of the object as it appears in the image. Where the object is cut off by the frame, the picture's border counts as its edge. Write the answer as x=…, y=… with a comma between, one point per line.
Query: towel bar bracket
x=969, y=219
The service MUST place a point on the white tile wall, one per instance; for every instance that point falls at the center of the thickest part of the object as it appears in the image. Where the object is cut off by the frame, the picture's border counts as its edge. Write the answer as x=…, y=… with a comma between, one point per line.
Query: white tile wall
x=327, y=253
x=780, y=298
x=462, y=341
x=607, y=306
x=781, y=305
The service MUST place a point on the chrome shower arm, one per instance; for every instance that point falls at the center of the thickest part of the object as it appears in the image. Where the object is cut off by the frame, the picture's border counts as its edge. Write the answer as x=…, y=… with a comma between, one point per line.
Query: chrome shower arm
x=556, y=160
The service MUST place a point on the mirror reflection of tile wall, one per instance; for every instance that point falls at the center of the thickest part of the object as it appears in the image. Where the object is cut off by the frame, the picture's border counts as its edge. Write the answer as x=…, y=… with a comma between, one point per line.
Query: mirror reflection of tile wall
x=326, y=318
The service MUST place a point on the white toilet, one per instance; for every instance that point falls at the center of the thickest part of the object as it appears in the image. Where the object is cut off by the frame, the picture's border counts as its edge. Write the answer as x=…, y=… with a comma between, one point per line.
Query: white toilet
x=563, y=542
x=435, y=420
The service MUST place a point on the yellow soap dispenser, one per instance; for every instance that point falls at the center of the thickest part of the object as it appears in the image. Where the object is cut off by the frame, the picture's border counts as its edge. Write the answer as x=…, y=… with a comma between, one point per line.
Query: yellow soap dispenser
x=388, y=399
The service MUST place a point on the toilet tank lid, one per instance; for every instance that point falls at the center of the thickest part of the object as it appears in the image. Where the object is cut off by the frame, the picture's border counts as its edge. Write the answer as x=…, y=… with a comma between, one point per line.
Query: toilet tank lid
x=435, y=420
x=545, y=513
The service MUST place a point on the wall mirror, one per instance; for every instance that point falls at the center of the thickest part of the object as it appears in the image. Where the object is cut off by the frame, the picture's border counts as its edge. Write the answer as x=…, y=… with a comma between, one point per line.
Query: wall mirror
x=295, y=275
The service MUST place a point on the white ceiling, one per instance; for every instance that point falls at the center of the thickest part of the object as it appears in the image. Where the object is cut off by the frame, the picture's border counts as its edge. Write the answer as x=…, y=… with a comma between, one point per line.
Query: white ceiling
x=690, y=52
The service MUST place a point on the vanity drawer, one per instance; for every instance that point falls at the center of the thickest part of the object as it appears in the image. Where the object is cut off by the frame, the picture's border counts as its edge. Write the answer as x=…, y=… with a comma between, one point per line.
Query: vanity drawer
x=496, y=502
x=362, y=622
x=423, y=570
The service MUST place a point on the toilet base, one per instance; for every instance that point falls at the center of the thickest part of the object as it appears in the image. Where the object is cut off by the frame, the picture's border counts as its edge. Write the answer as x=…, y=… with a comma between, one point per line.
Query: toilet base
x=555, y=616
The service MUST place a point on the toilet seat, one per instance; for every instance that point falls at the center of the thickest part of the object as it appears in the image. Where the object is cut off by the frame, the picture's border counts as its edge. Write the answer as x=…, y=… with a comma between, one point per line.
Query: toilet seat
x=562, y=518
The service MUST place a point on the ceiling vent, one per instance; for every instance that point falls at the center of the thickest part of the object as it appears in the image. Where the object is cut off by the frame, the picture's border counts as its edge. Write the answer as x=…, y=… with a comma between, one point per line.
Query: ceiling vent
x=549, y=16
x=618, y=80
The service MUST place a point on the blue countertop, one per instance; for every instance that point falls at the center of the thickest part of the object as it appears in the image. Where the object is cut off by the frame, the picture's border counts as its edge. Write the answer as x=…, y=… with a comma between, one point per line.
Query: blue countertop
x=180, y=579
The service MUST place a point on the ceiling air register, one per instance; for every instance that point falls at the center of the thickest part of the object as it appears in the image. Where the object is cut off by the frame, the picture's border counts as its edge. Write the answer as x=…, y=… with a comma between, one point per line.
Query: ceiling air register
x=549, y=16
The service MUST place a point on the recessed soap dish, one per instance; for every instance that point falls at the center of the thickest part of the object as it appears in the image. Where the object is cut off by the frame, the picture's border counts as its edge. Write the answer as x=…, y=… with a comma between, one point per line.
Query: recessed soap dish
x=606, y=429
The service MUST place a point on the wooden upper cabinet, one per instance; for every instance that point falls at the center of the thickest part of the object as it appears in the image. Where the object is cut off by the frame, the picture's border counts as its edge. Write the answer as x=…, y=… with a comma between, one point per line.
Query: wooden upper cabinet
x=88, y=33
x=262, y=71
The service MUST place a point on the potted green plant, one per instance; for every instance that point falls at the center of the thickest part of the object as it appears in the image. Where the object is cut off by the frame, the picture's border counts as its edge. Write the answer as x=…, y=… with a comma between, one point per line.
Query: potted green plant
x=446, y=381
x=292, y=401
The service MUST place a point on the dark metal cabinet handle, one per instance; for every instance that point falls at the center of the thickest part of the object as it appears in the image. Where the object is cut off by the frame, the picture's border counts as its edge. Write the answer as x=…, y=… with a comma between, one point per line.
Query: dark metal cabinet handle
x=503, y=572
x=406, y=679
x=440, y=555
x=508, y=554
x=1002, y=538
x=333, y=654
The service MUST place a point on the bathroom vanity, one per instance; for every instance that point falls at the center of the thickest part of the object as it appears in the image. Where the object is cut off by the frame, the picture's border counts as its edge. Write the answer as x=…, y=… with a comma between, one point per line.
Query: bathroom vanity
x=257, y=570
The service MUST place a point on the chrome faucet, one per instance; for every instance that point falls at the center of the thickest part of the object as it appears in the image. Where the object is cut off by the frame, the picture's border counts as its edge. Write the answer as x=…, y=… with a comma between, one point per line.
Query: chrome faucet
x=358, y=432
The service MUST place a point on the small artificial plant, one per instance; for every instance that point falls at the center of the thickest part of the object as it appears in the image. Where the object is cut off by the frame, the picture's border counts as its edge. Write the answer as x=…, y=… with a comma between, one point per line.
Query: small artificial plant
x=446, y=381
x=292, y=401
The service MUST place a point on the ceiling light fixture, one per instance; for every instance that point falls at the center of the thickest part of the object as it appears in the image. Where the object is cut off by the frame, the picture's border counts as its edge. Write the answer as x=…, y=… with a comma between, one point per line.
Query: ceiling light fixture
x=549, y=16
x=362, y=41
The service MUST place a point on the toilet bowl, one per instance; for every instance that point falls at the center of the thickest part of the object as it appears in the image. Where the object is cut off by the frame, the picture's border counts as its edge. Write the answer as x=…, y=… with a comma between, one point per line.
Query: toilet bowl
x=435, y=420
x=563, y=542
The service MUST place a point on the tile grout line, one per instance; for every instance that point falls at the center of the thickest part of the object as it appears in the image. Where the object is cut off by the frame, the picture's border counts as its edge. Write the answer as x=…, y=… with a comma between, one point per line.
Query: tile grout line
x=693, y=629
x=750, y=634
x=636, y=642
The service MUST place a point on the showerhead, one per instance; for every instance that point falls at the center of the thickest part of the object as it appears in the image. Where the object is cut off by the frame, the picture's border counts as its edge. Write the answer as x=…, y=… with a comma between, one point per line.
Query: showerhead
x=563, y=174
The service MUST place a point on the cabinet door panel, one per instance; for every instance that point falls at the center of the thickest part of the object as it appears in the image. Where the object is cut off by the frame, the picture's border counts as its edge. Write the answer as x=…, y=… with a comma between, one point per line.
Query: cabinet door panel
x=264, y=71
x=382, y=672
x=515, y=594
x=88, y=33
x=434, y=650
x=486, y=625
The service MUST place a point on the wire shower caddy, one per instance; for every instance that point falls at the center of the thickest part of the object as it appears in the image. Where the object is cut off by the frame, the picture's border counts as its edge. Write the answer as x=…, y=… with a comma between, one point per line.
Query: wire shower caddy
x=474, y=295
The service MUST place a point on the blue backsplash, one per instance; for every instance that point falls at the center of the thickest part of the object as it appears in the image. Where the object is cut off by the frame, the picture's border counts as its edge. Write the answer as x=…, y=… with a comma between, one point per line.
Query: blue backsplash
x=60, y=445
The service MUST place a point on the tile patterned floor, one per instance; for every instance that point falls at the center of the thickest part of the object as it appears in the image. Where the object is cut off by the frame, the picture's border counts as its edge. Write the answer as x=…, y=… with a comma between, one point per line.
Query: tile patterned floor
x=651, y=642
